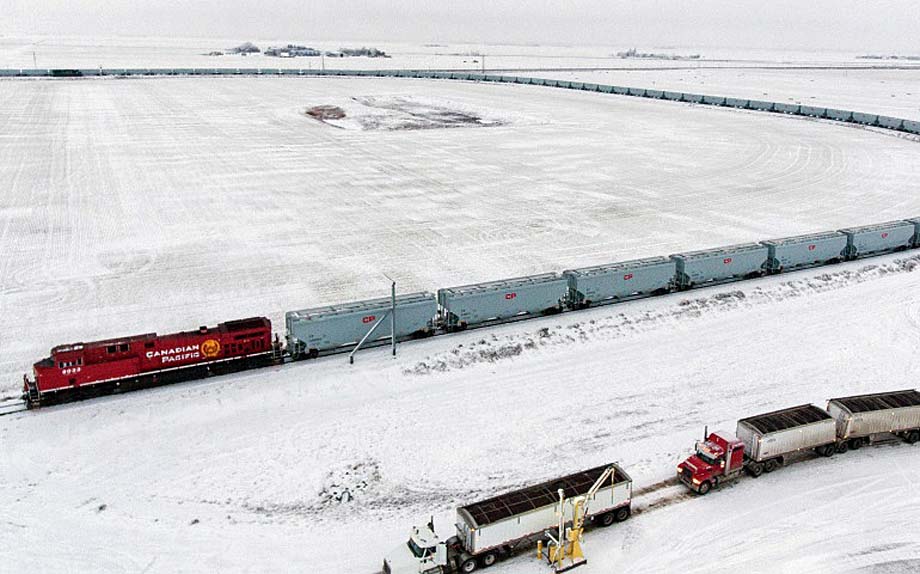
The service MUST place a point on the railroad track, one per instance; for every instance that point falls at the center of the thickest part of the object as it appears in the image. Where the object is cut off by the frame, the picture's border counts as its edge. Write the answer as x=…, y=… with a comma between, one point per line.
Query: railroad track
x=10, y=408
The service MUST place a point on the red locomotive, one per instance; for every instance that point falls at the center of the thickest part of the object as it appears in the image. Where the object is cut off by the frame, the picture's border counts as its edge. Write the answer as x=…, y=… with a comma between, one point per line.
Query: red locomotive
x=80, y=369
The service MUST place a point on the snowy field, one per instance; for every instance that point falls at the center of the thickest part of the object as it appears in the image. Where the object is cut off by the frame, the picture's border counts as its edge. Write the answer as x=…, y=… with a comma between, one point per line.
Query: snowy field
x=133, y=205
x=249, y=473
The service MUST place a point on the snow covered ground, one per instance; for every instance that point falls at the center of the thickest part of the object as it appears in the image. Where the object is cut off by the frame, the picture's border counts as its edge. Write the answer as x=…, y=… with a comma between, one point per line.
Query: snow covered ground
x=250, y=472
x=161, y=204
x=137, y=205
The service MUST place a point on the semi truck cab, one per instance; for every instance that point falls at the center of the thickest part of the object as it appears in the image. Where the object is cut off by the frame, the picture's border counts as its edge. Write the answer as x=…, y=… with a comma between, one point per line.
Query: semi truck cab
x=423, y=553
x=719, y=457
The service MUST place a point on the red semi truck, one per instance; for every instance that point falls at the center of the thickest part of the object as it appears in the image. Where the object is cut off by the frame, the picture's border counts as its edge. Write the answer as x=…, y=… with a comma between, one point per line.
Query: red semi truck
x=763, y=443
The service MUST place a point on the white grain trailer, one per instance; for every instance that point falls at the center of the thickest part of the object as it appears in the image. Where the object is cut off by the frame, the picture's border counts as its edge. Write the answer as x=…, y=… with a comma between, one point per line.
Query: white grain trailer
x=498, y=527
x=771, y=437
x=862, y=419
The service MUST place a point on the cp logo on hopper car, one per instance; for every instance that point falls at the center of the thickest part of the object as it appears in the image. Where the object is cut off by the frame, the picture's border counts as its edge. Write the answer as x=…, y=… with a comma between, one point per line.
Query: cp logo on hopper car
x=885, y=235
x=727, y=261
x=369, y=319
x=210, y=348
x=627, y=277
x=811, y=247
x=510, y=296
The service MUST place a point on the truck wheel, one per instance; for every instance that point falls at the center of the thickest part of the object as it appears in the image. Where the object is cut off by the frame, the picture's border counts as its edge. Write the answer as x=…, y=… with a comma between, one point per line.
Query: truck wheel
x=842, y=447
x=913, y=436
x=489, y=559
x=855, y=443
x=705, y=488
x=826, y=450
x=469, y=565
x=621, y=514
x=771, y=465
x=755, y=469
x=606, y=519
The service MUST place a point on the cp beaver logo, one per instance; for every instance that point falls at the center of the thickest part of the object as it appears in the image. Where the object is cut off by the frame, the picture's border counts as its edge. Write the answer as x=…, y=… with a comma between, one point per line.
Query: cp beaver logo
x=210, y=348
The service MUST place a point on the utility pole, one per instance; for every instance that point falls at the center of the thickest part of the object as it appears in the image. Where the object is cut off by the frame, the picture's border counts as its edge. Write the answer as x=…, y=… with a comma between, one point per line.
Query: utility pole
x=393, y=317
x=378, y=322
x=392, y=314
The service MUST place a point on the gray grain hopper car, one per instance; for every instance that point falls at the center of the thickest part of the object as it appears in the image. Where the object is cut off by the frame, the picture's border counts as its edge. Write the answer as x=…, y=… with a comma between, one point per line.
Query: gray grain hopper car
x=504, y=299
x=879, y=238
x=311, y=331
x=519, y=517
x=806, y=250
x=609, y=283
x=862, y=418
x=772, y=436
x=720, y=264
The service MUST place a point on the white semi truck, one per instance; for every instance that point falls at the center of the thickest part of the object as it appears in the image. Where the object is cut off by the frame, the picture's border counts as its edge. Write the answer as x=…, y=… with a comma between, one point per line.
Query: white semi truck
x=493, y=529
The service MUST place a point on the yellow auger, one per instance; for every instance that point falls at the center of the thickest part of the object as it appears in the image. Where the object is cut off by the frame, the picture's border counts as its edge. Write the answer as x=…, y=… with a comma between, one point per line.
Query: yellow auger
x=564, y=550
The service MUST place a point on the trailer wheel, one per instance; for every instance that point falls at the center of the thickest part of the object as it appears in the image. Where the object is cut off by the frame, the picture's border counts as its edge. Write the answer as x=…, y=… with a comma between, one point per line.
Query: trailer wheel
x=469, y=565
x=842, y=447
x=855, y=443
x=705, y=488
x=606, y=519
x=827, y=450
x=489, y=559
x=771, y=465
x=913, y=436
x=313, y=353
x=621, y=514
x=755, y=469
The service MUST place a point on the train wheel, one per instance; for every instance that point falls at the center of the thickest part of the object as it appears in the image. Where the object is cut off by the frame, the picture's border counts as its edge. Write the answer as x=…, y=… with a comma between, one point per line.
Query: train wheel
x=842, y=447
x=313, y=353
x=913, y=437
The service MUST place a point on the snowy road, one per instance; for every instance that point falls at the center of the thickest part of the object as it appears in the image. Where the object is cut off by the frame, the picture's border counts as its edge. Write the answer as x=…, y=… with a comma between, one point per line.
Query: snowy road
x=262, y=460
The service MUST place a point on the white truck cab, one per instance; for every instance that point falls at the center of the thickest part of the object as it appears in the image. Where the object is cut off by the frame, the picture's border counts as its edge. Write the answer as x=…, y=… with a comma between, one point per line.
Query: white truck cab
x=423, y=553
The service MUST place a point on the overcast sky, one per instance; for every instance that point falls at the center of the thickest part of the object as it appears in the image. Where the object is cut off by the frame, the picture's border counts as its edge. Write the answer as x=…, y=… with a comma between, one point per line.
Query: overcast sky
x=849, y=25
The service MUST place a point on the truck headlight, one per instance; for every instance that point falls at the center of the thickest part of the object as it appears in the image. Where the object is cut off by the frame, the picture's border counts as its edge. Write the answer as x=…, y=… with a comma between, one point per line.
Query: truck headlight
x=696, y=481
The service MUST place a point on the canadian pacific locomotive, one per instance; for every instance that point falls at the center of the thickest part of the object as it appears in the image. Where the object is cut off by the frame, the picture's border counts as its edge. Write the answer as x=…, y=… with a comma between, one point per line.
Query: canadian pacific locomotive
x=86, y=369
